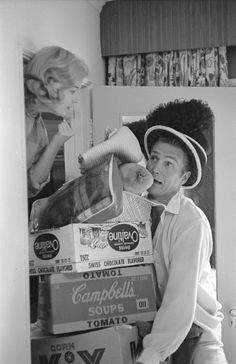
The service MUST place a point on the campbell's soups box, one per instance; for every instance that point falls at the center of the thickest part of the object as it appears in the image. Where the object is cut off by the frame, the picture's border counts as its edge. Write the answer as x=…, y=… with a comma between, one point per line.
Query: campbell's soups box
x=98, y=299
x=114, y=345
x=90, y=247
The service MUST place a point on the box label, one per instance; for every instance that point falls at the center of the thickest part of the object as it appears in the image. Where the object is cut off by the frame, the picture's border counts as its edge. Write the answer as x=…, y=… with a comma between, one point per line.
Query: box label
x=123, y=237
x=88, y=358
x=46, y=246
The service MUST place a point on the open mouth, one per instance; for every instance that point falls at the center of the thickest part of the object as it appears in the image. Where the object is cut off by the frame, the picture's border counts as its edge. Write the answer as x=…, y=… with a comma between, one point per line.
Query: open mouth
x=157, y=182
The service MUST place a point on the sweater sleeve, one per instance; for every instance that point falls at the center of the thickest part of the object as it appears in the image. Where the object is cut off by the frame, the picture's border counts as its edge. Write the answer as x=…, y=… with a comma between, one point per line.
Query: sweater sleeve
x=188, y=255
x=33, y=186
x=36, y=143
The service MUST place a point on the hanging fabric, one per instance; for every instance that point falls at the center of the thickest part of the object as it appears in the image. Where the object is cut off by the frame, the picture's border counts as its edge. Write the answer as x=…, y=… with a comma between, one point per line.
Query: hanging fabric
x=197, y=67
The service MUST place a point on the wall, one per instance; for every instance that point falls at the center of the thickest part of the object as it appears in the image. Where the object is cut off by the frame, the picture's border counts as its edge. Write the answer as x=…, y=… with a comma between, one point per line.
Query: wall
x=73, y=24
x=31, y=25
x=14, y=303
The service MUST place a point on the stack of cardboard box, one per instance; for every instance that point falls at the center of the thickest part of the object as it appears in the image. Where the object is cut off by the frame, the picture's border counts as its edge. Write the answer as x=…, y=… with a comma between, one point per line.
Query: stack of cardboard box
x=94, y=278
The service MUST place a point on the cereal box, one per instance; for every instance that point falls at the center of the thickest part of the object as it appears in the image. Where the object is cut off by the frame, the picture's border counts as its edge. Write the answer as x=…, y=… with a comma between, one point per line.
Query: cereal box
x=116, y=345
x=89, y=247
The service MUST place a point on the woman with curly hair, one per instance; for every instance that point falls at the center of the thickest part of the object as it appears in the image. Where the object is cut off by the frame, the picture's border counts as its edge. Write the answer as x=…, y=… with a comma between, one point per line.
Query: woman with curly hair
x=52, y=78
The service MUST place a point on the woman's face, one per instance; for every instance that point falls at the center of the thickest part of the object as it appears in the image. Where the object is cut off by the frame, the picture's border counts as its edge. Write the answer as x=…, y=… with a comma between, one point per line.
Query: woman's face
x=63, y=105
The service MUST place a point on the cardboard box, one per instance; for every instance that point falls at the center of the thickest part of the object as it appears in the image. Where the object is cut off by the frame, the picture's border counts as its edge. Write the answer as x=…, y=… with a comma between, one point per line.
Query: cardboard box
x=94, y=300
x=90, y=247
x=114, y=345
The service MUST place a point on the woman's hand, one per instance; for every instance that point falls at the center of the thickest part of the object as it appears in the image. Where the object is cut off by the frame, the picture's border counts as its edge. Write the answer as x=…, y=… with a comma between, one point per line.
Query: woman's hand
x=64, y=133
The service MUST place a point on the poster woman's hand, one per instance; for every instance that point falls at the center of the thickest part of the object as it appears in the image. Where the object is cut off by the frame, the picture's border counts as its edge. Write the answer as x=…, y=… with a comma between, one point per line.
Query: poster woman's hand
x=64, y=133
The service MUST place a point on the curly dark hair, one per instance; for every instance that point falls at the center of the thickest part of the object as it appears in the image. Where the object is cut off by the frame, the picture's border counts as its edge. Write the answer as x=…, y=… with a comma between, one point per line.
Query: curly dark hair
x=194, y=118
x=139, y=128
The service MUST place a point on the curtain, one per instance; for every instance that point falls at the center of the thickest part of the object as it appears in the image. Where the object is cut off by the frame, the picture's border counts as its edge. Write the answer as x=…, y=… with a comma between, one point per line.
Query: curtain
x=197, y=67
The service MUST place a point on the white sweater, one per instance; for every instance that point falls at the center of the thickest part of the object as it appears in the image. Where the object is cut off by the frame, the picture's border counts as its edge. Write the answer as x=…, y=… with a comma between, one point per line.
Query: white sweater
x=182, y=249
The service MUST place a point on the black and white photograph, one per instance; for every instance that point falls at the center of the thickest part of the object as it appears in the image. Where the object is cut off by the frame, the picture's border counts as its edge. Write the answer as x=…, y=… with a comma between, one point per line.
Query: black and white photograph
x=118, y=200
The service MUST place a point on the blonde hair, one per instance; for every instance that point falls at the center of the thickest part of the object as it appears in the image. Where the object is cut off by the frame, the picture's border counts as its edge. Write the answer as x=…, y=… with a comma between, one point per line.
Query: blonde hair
x=56, y=63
